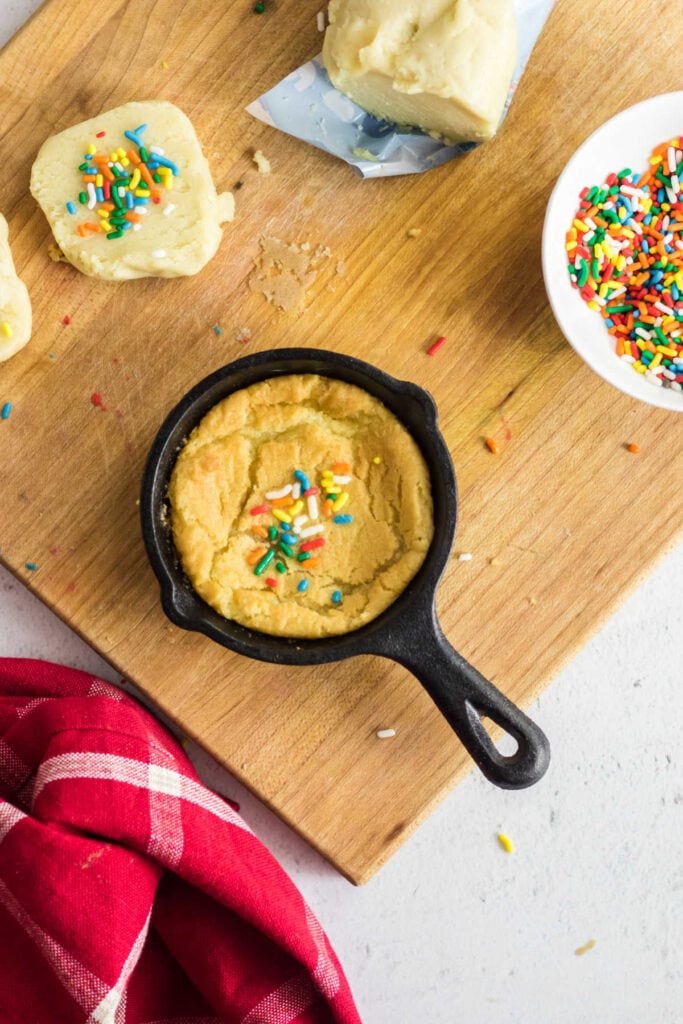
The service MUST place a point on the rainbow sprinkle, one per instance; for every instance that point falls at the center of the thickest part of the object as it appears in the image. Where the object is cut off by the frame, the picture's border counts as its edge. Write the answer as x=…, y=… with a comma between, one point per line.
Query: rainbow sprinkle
x=119, y=185
x=294, y=542
x=625, y=250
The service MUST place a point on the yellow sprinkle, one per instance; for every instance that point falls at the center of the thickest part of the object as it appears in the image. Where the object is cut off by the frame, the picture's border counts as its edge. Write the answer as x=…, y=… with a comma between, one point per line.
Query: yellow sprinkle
x=580, y=225
x=135, y=180
x=621, y=263
x=91, y=150
x=594, y=305
x=283, y=517
x=296, y=509
x=654, y=160
x=584, y=949
x=99, y=180
x=6, y=329
x=142, y=192
x=333, y=489
x=103, y=214
x=666, y=207
x=340, y=502
x=121, y=152
x=622, y=212
x=639, y=367
x=106, y=226
x=628, y=233
x=666, y=351
x=124, y=161
x=377, y=460
x=603, y=291
x=571, y=245
x=168, y=181
x=597, y=249
x=656, y=360
x=505, y=842
x=114, y=156
x=164, y=65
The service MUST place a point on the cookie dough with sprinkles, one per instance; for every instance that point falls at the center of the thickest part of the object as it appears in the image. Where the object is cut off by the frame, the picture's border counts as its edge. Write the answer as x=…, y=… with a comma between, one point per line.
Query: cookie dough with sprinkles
x=282, y=516
x=129, y=194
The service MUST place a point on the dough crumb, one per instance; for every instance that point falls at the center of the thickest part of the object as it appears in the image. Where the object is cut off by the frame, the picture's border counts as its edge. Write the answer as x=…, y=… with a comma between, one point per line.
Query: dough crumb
x=243, y=335
x=584, y=949
x=340, y=267
x=56, y=254
x=413, y=232
x=285, y=271
x=364, y=154
x=261, y=161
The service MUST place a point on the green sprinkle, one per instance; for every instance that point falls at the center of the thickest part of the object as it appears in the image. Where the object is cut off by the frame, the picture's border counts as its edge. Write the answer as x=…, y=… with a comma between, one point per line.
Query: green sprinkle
x=83, y=197
x=115, y=234
x=619, y=309
x=157, y=178
x=84, y=167
x=595, y=269
x=259, y=8
x=583, y=274
x=661, y=335
x=304, y=556
x=144, y=155
x=286, y=548
x=264, y=563
x=626, y=173
x=572, y=269
x=281, y=567
x=272, y=533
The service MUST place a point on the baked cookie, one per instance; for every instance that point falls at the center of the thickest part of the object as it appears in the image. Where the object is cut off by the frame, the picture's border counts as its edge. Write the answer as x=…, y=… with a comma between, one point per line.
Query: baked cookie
x=301, y=507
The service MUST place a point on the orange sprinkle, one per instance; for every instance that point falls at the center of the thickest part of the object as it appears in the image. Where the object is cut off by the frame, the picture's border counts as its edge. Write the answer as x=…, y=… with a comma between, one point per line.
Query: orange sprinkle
x=327, y=508
x=107, y=206
x=634, y=449
x=132, y=155
x=135, y=218
x=81, y=230
x=105, y=171
x=90, y=226
x=492, y=446
x=256, y=555
x=312, y=563
x=285, y=502
x=341, y=468
x=145, y=175
x=260, y=531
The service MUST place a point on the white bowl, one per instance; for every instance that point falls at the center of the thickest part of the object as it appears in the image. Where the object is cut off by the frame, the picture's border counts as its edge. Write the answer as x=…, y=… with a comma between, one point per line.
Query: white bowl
x=625, y=141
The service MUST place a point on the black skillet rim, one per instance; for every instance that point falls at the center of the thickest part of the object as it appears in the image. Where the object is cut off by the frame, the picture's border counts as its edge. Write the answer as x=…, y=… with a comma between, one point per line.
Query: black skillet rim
x=187, y=609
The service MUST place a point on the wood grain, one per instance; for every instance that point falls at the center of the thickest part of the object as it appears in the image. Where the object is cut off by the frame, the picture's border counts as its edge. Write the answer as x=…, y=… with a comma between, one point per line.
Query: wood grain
x=562, y=524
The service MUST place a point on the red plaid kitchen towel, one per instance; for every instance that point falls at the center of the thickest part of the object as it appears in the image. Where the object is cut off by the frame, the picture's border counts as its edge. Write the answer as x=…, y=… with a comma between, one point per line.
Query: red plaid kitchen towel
x=130, y=893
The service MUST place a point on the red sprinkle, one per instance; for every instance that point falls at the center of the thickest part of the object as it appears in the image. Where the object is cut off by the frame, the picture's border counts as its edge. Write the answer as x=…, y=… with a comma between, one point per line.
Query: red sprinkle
x=100, y=135
x=311, y=491
x=66, y=320
x=271, y=581
x=317, y=542
x=258, y=511
x=433, y=349
x=96, y=399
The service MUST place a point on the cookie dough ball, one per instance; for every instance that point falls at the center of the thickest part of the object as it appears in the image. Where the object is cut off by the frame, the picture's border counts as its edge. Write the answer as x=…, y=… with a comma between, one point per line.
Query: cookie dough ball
x=129, y=194
x=15, y=304
x=250, y=516
x=441, y=65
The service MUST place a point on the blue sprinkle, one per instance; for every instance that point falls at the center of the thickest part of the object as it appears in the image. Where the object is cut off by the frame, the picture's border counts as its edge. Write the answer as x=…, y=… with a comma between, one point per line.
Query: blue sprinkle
x=153, y=164
x=134, y=138
x=140, y=129
x=126, y=226
x=32, y=566
x=99, y=192
x=675, y=293
x=165, y=162
x=608, y=323
x=289, y=538
x=303, y=587
x=53, y=355
x=647, y=219
x=130, y=200
x=342, y=520
x=87, y=156
x=71, y=208
x=303, y=479
x=645, y=245
x=6, y=410
x=336, y=597
x=141, y=201
x=217, y=330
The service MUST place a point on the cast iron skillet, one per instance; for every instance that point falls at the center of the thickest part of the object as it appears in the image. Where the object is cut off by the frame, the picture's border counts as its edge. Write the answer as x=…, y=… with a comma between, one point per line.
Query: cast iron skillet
x=408, y=631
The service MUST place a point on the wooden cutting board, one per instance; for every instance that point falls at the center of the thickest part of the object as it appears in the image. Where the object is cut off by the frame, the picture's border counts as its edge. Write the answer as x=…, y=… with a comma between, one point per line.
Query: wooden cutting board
x=561, y=524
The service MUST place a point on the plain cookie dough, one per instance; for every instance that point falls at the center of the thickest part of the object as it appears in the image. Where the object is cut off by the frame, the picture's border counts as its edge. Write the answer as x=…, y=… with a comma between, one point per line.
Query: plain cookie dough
x=251, y=443
x=174, y=244
x=441, y=65
x=15, y=304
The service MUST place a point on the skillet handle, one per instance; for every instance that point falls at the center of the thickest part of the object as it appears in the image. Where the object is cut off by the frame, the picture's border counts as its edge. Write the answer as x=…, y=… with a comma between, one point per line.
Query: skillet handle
x=463, y=696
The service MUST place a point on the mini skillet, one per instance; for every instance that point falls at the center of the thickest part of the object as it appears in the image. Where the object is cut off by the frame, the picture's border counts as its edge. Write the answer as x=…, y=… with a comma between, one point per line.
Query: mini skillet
x=408, y=632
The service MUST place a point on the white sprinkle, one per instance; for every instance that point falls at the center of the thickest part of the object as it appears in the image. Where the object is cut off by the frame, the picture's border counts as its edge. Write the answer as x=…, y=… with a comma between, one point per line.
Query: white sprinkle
x=635, y=226
x=136, y=227
x=119, y=167
x=296, y=491
x=282, y=493
x=92, y=201
x=312, y=502
x=142, y=210
x=651, y=379
x=122, y=191
x=158, y=254
x=341, y=479
x=299, y=522
x=671, y=195
x=668, y=374
x=671, y=154
x=642, y=333
x=310, y=531
x=678, y=360
x=631, y=190
x=628, y=359
x=665, y=309
x=617, y=291
x=385, y=734
x=676, y=386
x=465, y=557
x=320, y=21
x=157, y=149
x=169, y=209
x=591, y=223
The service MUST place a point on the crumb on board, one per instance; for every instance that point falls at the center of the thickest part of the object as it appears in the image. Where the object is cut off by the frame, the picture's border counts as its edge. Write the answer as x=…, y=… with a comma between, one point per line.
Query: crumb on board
x=340, y=267
x=585, y=948
x=284, y=272
x=66, y=320
x=164, y=65
x=217, y=330
x=320, y=21
x=506, y=842
x=385, y=734
x=96, y=399
x=634, y=449
x=56, y=254
x=492, y=446
x=465, y=556
x=261, y=161
x=243, y=335
x=413, y=232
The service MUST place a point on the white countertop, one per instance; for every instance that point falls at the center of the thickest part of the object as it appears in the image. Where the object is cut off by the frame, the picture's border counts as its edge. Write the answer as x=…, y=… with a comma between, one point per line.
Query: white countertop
x=455, y=931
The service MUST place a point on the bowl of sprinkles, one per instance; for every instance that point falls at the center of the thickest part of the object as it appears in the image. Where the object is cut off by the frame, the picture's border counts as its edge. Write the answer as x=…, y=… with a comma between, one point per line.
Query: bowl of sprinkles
x=613, y=251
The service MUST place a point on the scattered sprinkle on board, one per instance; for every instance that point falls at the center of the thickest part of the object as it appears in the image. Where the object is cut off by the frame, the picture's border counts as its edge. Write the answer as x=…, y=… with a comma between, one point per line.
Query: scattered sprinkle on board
x=584, y=949
x=96, y=399
x=634, y=449
x=466, y=556
x=385, y=734
x=31, y=566
x=6, y=410
x=492, y=446
x=433, y=349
